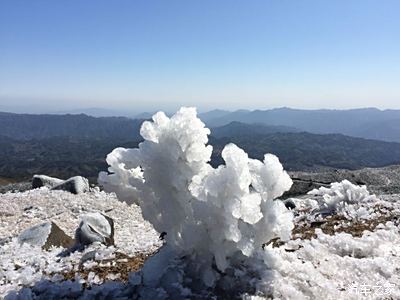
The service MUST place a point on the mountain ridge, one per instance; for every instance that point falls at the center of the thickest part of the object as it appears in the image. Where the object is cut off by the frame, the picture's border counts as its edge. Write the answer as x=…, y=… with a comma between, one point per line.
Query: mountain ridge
x=355, y=122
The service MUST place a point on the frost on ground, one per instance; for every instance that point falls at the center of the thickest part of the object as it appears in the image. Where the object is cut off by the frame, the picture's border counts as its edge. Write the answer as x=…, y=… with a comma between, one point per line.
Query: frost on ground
x=25, y=265
x=19, y=211
x=228, y=236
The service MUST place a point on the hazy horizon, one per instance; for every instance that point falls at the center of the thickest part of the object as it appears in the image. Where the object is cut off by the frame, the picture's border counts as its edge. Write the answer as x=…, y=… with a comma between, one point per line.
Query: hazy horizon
x=160, y=55
x=104, y=112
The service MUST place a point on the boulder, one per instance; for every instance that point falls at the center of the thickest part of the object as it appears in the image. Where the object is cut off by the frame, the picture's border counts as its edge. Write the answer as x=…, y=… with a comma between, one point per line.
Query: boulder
x=46, y=235
x=74, y=185
x=95, y=227
x=43, y=180
x=302, y=187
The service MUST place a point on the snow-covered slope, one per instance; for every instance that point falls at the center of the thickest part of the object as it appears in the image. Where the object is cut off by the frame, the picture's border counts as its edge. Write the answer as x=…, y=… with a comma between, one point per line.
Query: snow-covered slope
x=350, y=264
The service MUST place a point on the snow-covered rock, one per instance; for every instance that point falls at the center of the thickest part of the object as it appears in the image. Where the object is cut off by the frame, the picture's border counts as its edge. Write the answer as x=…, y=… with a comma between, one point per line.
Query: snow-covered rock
x=39, y=181
x=46, y=235
x=95, y=227
x=74, y=185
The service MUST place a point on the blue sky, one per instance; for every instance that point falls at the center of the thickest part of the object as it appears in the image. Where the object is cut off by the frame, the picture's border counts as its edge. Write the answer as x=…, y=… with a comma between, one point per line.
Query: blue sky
x=150, y=55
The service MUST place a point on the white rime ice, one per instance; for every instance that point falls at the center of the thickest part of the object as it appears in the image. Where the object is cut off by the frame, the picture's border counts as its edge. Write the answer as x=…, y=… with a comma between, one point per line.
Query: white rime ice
x=342, y=197
x=211, y=215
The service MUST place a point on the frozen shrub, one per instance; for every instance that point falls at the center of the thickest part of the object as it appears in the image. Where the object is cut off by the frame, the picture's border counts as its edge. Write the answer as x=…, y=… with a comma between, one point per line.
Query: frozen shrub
x=215, y=218
x=341, y=196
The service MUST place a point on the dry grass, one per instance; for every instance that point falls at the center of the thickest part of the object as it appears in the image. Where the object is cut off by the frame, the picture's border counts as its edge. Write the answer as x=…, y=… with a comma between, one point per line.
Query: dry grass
x=337, y=224
x=122, y=264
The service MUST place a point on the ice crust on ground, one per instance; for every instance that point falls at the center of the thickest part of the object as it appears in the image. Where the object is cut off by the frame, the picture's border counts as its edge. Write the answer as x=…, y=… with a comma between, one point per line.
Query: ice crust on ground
x=339, y=266
x=327, y=267
x=210, y=215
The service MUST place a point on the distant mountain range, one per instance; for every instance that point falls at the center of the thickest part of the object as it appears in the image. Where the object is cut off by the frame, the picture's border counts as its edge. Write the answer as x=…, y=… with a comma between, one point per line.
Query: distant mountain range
x=67, y=145
x=94, y=112
x=370, y=123
x=242, y=129
x=308, y=151
x=68, y=156
x=27, y=126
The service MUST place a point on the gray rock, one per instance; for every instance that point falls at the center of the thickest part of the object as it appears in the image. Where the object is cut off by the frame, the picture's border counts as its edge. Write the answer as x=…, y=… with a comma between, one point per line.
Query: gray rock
x=95, y=227
x=74, y=185
x=46, y=235
x=43, y=180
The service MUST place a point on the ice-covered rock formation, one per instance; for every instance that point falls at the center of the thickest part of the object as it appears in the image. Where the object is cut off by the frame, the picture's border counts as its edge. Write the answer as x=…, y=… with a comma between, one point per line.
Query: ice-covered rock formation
x=44, y=180
x=74, y=185
x=212, y=216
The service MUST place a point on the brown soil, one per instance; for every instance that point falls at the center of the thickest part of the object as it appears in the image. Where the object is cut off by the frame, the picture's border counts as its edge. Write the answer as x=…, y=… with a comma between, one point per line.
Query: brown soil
x=4, y=181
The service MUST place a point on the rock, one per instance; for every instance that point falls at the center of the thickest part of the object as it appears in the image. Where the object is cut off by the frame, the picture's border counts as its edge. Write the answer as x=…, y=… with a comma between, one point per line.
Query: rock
x=289, y=203
x=95, y=227
x=46, y=235
x=74, y=185
x=302, y=187
x=43, y=180
x=378, y=180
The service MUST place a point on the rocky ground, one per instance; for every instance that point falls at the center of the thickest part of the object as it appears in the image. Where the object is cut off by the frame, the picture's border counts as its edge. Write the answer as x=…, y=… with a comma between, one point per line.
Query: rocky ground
x=134, y=238
x=378, y=180
x=351, y=254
